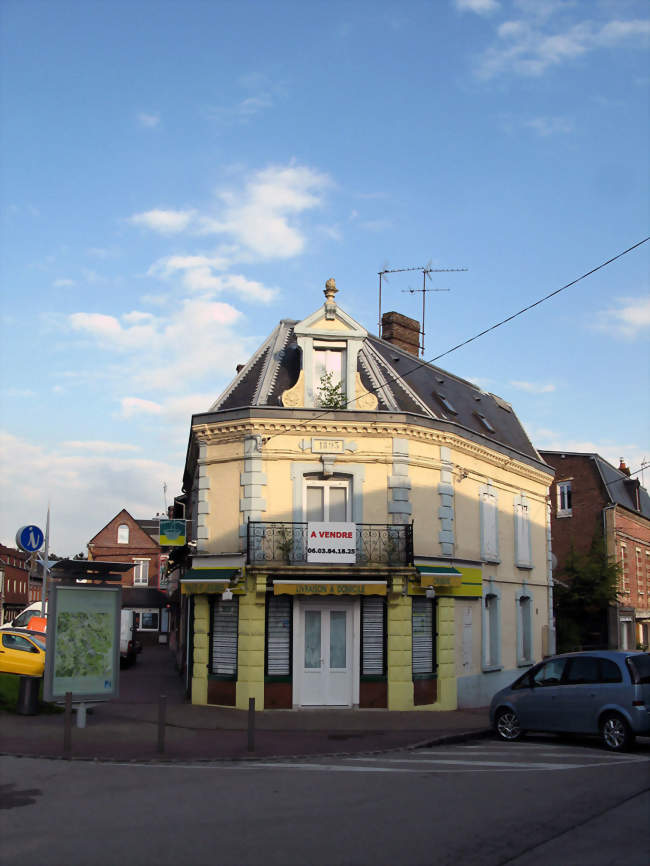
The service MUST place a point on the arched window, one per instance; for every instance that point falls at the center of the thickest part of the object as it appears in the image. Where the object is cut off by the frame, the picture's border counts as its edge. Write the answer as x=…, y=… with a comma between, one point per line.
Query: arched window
x=123, y=534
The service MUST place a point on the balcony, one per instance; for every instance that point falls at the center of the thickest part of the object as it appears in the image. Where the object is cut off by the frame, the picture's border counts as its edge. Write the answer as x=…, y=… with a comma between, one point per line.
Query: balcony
x=278, y=543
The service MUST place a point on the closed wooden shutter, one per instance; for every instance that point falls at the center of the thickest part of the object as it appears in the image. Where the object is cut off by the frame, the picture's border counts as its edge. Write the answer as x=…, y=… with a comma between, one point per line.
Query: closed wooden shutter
x=278, y=636
x=423, y=661
x=372, y=635
x=225, y=618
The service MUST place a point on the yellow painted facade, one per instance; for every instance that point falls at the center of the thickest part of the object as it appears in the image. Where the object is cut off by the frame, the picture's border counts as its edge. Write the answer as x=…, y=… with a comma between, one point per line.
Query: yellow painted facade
x=254, y=465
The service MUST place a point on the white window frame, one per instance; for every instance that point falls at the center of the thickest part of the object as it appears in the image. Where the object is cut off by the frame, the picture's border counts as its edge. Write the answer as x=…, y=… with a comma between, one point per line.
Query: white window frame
x=491, y=627
x=327, y=484
x=523, y=548
x=140, y=565
x=489, y=523
x=524, y=601
x=144, y=610
x=329, y=350
x=120, y=533
x=564, y=493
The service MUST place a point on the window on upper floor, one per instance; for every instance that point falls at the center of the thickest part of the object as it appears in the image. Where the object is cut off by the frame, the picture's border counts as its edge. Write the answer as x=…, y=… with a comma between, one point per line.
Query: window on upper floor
x=141, y=572
x=123, y=534
x=329, y=374
x=564, y=507
x=327, y=500
x=489, y=517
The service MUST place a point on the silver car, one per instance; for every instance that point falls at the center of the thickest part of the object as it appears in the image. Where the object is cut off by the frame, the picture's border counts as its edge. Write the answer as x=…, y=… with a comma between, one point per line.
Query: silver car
x=605, y=692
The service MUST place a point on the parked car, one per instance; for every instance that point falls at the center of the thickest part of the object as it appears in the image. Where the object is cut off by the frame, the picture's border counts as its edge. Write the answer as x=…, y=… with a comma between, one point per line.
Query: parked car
x=606, y=693
x=22, y=652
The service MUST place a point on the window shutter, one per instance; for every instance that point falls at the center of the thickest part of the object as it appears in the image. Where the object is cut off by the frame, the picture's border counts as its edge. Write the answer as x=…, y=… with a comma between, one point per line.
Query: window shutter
x=225, y=619
x=489, y=530
x=372, y=636
x=422, y=621
x=278, y=636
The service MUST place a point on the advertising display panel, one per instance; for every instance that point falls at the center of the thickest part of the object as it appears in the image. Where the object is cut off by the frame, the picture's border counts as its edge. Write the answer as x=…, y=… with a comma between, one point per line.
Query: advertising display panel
x=331, y=542
x=83, y=643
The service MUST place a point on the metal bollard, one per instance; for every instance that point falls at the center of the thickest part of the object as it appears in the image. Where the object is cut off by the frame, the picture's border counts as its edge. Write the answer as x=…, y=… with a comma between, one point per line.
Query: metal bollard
x=251, y=724
x=162, y=713
x=67, y=727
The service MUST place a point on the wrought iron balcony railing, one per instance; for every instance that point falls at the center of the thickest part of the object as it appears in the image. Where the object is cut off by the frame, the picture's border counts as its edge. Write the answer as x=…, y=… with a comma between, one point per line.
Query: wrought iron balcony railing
x=276, y=543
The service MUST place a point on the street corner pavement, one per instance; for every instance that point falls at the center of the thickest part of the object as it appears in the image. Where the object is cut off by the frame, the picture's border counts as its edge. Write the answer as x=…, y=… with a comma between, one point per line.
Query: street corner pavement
x=138, y=726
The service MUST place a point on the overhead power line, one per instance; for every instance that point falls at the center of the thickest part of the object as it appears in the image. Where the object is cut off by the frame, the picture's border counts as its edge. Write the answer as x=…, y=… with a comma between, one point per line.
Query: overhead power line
x=418, y=366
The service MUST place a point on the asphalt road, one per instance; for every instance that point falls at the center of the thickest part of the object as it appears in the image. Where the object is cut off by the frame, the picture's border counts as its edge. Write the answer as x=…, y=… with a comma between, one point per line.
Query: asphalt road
x=542, y=801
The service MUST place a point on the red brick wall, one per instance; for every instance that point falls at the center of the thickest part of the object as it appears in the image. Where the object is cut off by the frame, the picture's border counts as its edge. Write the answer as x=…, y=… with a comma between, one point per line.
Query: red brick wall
x=588, y=501
x=104, y=548
x=633, y=531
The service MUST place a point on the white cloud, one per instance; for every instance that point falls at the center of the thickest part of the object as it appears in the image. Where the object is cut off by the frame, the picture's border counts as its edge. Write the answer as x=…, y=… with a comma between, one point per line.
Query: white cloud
x=63, y=283
x=527, y=46
x=166, y=352
x=533, y=387
x=546, y=126
x=99, y=445
x=165, y=222
x=137, y=406
x=627, y=320
x=481, y=7
x=85, y=490
x=551, y=440
x=259, y=221
x=148, y=120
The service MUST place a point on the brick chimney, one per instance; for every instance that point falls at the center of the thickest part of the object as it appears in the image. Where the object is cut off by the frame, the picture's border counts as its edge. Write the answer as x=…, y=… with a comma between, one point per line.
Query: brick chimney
x=623, y=467
x=401, y=331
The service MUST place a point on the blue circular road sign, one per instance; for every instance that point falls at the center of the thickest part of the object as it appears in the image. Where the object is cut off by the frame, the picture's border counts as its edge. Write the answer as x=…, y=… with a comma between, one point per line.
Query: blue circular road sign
x=30, y=538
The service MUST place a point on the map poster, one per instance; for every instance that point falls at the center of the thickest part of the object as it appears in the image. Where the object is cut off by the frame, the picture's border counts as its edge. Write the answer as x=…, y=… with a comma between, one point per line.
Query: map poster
x=83, y=643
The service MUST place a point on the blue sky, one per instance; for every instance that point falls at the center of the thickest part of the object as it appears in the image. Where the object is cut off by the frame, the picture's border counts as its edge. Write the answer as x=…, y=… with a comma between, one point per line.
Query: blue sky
x=177, y=177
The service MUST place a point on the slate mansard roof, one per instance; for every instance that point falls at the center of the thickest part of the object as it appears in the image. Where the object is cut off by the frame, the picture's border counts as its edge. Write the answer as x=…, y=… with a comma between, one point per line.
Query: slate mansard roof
x=402, y=383
x=619, y=488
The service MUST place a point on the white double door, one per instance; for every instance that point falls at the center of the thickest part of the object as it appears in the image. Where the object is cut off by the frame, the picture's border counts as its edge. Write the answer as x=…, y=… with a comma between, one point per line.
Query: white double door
x=326, y=652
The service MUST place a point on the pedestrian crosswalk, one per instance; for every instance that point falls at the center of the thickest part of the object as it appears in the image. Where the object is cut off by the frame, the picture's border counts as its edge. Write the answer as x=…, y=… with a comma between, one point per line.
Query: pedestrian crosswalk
x=486, y=756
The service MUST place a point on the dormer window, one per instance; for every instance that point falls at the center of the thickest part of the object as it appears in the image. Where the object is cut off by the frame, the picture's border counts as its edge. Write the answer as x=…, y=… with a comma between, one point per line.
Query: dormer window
x=123, y=534
x=484, y=421
x=445, y=402
x=329, y=373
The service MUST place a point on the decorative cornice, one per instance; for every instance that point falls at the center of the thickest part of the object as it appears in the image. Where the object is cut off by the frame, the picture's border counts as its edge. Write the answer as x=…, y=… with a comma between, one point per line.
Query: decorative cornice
x=235, y=430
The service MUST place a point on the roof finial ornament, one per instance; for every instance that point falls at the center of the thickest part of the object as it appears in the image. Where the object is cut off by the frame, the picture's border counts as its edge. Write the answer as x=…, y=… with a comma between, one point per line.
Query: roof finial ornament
x=330, y=303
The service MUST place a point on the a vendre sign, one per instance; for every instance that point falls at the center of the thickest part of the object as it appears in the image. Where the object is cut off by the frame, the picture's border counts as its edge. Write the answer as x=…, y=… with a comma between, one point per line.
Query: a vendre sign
x=331, y=542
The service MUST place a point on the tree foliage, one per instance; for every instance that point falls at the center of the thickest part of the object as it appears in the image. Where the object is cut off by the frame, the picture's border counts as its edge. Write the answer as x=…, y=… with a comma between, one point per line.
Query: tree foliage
x=330, y=393
x=582, y=599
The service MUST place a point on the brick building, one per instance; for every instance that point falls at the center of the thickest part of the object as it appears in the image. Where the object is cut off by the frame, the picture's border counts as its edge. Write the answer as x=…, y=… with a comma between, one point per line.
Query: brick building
x=590, y=497
x=17, y=588
x=125, y=539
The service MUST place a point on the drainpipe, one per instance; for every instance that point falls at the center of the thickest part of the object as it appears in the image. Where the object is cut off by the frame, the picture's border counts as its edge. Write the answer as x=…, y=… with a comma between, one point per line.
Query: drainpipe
x=552, y=648
x=613, y=641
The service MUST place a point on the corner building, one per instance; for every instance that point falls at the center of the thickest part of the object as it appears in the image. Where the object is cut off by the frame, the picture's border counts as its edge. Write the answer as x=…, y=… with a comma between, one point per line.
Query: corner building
x=368, y=530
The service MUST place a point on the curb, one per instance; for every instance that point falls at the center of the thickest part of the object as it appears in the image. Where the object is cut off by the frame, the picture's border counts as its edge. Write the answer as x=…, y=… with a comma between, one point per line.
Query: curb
x=445, y=739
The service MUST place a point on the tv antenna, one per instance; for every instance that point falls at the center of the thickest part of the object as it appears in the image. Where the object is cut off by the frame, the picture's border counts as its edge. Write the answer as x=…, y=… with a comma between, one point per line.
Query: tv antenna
x=427, y=270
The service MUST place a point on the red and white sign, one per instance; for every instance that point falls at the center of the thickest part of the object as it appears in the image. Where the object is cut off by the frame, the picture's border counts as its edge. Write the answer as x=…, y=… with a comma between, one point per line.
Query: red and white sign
x=331, y=542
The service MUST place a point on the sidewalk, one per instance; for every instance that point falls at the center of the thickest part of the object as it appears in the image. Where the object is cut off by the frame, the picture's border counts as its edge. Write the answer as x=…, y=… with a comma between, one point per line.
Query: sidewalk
x=126, y=729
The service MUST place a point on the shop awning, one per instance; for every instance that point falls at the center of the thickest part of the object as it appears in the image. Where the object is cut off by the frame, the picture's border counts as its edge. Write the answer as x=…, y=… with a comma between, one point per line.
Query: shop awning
x=329, y=587
x=439, y=575
x=207, y=581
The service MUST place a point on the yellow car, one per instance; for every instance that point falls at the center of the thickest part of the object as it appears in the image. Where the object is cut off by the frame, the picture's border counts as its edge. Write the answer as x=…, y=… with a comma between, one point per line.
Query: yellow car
x=22, y=653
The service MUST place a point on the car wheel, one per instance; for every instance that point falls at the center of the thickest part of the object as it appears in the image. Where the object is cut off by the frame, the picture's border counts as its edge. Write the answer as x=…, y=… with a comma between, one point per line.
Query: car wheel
x=616, y=733
x=507, y=725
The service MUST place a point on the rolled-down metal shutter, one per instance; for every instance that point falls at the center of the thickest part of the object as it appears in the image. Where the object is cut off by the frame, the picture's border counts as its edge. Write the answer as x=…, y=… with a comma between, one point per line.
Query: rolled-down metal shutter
x=372, y=635
x=225, y=619
x=278, y=636
x=422, y=623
